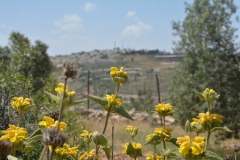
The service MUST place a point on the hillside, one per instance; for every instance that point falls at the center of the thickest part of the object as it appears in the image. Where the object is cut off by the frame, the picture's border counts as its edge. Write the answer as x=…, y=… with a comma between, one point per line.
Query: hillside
x=142, y=70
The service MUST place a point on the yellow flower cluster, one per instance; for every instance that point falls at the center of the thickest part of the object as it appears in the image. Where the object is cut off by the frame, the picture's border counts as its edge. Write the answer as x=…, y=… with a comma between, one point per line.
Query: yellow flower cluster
x=87, y=137
x=50, y=123
x=14, y=134
x=20, y=102
x=206, y=118
x=113, y=100
x=132, y=131
x=194, y=146
x=119, y=76
x=164, y=109
x=154, y=157
x=66, y=150
x=136, y=146
x=164, y=133
x=87, y=155
x=209, y=95
x=60, y=89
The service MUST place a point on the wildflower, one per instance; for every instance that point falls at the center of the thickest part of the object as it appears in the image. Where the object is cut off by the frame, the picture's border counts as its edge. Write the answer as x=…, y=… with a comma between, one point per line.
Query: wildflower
x=54, y=137
x=149, y=136
x=165, y=133
x=87, y=137
x=132, y=131
x=66, y=150
x=87, y=155
x=154, y=157
x=50, y=123
x=69, y=71
x=119, y=76
x=136, y=146
x=20, y=104
x=113, y=100
x=194, y=146
x=206, y=120
x=208, y=95
x=164, y=109
x=14, y=134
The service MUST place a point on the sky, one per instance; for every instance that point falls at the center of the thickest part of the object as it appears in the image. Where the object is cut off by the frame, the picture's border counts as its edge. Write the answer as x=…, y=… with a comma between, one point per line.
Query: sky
x=69, y=26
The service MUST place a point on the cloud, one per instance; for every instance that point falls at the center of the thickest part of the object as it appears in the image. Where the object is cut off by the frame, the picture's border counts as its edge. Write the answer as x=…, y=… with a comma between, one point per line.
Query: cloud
x=136, y=30
x=130, y=14
x=89, y=7
x=69, y=23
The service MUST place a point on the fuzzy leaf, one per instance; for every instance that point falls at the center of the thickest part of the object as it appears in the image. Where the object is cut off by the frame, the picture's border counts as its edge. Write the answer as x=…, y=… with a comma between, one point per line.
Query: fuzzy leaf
x=224, y=129
x=211, y=156
x=173, y=153
x=26, y=109
x=134, y=153
x=99, y=139
x=36, y=132
x=173, y=141
x=75, y=103
x=98, y=100
x=107, y=150
x=156, y=139
x=188, y=128
x=121, y=111
x=9, y=157
x=53, y=97
x=200, y=96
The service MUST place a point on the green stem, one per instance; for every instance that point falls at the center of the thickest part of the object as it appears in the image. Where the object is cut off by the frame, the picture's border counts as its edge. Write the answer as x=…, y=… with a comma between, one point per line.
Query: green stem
x=20, y=120
x=52, y=153
x=155, y=149
x=164, y=144
x=96, y=152
x=209, y=109
x=117, y=89
x=61, y=106
x=43, y=152
x=208, y=137
x=106, y=122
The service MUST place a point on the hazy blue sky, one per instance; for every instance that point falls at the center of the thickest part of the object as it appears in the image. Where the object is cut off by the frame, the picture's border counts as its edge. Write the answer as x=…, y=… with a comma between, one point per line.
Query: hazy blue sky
x=78, y=25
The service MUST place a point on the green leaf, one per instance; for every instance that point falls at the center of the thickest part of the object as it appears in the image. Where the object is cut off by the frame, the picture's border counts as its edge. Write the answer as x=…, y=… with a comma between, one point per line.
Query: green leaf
x=121, y=111
x=99, y=139
x=188, y=128
x=224, y=129
x=173, y=153
x=75, y=103
x=53, y=97
x=36, y=132
x=107, y=150
x=173, y=141
x=134, y=153
x=98, y=100
x=156, y=139
x=26, y=109
x=200, y=96
x=209, y=155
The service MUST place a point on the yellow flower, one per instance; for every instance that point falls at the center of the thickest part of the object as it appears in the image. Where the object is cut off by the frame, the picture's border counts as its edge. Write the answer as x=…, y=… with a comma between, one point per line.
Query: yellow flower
x=113, y=100
x=194, y=146
x=14, y=134
x=154, y=157
x=208, y=95
x=165, y=133
x=60, y=88
x=87, y=137
x=164, y=109
x=119, y=76
x=136, y=146
x=149, y=136
x=87, y=156
x=66, y=150
x=20, y=104
x=49, y=123
x=206, y=119
x=132, y=131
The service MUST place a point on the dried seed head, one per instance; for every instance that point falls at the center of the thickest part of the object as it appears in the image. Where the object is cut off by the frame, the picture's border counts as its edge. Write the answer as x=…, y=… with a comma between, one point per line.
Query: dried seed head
x=69, y=71
x=54, y=115
x=5, y=148
x=236, y=148
x=54, y=137
x=228, y=157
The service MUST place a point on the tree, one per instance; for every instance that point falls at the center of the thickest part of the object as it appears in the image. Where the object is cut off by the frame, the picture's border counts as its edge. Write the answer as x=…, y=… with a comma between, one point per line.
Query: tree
x=30, y=60
x=210, y=61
